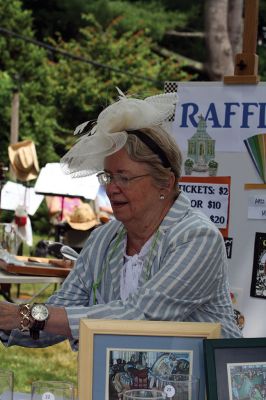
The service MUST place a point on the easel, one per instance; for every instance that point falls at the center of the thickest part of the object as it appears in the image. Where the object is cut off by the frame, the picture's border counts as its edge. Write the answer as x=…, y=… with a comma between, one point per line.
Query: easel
x=246, y=63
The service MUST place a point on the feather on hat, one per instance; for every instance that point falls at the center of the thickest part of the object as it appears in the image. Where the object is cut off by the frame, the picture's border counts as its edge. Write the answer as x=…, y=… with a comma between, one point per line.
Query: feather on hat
x=109, y=134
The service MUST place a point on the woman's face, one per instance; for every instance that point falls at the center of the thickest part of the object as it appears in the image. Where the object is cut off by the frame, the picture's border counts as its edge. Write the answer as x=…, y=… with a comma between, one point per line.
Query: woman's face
x=139, y=199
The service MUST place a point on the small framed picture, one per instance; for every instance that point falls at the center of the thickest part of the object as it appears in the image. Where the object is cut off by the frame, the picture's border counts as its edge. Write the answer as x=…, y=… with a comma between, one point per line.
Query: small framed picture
x=235, y=368
x=117, y=355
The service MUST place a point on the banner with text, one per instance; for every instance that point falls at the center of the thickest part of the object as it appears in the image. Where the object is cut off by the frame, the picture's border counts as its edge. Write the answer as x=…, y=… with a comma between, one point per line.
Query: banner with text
x=233, y=113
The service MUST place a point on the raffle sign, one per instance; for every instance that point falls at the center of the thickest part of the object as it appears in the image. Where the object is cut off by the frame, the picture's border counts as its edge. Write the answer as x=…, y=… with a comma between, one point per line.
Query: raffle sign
x=210, y=195
x=232, y=113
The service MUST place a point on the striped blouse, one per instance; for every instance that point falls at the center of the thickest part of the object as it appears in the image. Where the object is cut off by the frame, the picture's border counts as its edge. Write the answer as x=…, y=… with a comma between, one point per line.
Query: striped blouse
x=184, y=277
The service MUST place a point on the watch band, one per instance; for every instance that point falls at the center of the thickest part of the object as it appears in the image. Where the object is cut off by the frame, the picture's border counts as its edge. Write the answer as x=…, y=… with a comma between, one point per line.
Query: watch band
x=25, y=322
x=36, y=328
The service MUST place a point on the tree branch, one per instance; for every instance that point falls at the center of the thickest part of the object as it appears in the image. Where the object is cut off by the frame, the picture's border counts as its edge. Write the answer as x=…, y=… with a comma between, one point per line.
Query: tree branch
x=185, y=34
x=161, y=51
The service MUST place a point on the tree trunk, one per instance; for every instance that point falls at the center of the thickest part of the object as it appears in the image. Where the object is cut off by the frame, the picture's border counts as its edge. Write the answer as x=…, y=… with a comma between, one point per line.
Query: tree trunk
x=220, y=54
x=235, y=25
x=14, y=128
x=14, y=118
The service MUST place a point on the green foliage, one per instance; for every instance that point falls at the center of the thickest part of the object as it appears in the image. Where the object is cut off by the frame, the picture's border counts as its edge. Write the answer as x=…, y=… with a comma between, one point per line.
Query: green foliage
x=25, y=68
x=64, y=18
x=189, y=162
x=262, y=62
x=213, y=164
x=5, y=100
x=56, y=92
x=40, y=221
x=81, y=90
x=150, y=16
x=193, y=11
x=56, y=17
x=6, y=216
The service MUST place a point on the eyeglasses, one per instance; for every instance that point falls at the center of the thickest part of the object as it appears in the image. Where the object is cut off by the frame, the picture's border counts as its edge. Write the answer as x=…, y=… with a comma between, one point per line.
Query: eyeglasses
x=119, y=179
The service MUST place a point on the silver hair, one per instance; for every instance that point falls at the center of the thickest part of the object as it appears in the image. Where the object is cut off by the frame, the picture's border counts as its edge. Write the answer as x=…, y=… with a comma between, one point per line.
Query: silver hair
x=140, y=152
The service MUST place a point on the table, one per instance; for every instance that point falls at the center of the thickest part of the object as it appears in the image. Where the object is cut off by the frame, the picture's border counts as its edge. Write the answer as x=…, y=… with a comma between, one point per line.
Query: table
x=7, y=278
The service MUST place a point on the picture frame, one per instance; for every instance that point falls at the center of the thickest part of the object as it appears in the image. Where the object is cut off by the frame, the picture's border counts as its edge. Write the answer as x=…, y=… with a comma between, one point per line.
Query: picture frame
x=100, y=338
x=258, y=281
x=235, y=368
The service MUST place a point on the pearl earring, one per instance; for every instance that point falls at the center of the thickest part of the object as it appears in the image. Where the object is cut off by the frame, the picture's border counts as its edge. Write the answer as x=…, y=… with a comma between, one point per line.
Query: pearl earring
x=162, y=196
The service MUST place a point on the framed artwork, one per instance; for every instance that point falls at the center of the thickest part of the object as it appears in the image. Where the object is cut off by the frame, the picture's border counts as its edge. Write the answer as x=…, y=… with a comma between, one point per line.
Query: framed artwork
x=258, y=283
x=235, y=368
x=116, y=355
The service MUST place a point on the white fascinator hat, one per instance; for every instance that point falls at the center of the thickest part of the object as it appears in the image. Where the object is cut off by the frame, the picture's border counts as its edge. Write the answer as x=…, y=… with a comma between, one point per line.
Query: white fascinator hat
x=109, y=134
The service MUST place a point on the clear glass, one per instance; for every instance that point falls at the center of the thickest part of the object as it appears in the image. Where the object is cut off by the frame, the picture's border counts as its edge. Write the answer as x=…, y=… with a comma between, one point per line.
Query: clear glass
x=6, y=384
x=146, y=394
x=52, y=390
x=179, y=387
x=105, y=179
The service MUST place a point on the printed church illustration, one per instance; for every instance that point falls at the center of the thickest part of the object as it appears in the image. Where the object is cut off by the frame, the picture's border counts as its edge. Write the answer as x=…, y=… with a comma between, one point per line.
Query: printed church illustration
x=201, y=151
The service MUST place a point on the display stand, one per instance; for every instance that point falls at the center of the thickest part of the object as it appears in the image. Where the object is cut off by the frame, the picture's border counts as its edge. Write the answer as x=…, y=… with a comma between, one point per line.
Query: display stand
x=246, y=73
x=246, y=63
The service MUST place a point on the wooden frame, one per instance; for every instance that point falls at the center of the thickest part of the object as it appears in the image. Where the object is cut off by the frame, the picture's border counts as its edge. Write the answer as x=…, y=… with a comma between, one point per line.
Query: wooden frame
x=227, y=364
x=98, y=337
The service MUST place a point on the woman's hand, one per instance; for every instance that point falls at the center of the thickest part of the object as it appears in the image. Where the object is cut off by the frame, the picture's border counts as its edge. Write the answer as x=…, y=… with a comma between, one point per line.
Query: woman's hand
x=9, y=316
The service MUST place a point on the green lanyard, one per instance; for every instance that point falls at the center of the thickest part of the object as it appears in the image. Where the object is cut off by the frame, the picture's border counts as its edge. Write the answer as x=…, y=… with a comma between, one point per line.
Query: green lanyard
x=96, y=284
x=149, y=264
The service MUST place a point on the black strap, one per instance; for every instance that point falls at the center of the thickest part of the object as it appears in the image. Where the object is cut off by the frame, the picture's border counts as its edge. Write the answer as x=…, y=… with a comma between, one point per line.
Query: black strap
x=36, y=328
x=153, y=146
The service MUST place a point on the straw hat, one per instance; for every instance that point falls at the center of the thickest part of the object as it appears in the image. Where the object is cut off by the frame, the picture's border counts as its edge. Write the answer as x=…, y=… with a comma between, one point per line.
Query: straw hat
x=82, y=218
x=23, y=159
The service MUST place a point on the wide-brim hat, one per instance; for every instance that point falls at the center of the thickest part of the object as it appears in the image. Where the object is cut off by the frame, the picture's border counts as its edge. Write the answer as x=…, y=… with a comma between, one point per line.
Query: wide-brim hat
x=109, y=134
x=82, y=218
x=24, y=161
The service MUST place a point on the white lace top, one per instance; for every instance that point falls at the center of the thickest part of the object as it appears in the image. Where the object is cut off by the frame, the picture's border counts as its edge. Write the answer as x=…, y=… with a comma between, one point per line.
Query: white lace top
x=132, y=268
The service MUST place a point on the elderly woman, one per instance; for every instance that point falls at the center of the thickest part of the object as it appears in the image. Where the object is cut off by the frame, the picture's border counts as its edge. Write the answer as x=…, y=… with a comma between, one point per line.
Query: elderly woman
x=158, y=260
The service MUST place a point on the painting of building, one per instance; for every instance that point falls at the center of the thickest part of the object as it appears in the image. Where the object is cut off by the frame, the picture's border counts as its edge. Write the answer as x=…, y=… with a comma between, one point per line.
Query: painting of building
x=201, y=147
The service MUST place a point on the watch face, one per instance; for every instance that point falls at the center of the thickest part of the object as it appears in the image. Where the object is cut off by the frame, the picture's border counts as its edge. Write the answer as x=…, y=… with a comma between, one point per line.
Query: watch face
x=39, y=312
